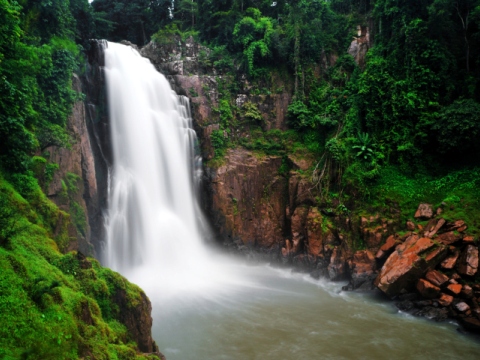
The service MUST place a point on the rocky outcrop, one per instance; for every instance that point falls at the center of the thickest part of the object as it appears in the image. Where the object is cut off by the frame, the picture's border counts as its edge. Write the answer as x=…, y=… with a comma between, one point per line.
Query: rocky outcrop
x=362, y=270
x=186, y=65
x=360, y=45
x=407, y=263
x=249, y=199
x=74, y=187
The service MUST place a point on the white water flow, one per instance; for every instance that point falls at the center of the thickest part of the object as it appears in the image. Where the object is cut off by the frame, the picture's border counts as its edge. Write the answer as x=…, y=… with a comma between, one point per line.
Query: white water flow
x=152, y=226
x=208, y=306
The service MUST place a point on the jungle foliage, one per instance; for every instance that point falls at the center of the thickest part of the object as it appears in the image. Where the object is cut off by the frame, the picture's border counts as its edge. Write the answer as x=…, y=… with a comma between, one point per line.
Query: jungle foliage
x=51, y=307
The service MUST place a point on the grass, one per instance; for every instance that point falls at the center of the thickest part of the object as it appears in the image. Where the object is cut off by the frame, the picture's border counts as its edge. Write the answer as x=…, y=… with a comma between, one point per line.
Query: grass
x=457, y=193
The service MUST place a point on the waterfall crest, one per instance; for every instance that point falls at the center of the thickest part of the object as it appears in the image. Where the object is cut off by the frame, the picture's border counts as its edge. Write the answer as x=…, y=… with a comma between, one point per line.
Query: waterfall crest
x=152, y=229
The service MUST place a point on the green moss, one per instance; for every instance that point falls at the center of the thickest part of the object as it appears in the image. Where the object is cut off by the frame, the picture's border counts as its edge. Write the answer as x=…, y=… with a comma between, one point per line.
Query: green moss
x=55, y=306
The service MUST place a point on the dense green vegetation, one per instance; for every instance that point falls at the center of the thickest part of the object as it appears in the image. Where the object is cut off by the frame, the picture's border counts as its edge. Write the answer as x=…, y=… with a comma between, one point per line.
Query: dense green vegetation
x=410, y=112
x=52, y=306
x=403, y=126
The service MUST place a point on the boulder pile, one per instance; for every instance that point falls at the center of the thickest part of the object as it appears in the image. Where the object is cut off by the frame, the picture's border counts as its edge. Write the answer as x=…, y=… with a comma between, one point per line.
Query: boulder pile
x=431, y=270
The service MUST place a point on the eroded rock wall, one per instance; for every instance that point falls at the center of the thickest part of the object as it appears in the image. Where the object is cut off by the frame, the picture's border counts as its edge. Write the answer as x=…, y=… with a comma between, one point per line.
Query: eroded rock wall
x=74, y=185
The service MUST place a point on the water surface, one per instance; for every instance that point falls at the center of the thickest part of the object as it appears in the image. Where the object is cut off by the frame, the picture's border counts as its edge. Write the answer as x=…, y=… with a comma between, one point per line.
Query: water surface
x=275, y=314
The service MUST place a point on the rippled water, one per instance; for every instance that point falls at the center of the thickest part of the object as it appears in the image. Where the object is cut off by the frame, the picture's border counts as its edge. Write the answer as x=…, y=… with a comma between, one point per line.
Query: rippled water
x=275, y=314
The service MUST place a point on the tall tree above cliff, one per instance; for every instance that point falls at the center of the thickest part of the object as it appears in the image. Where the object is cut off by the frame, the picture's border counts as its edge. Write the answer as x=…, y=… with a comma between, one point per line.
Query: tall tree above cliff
x=133, y=20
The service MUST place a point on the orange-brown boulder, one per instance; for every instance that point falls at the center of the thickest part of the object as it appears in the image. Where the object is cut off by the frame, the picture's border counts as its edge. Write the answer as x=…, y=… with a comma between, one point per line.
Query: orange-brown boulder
x=448, y=238
x=427, y=289
x=451, y=226
x=467, y=264
x=424, y=211
x=445, y=300
x=436, y=277
x=454, y=288
x=432, y=231
x=408, y=263
x=388, y=247
x=451, y=260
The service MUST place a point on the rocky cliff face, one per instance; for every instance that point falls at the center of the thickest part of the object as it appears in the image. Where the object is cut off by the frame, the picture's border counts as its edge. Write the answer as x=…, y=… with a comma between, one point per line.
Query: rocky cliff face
x=80, y=185
x=269, y=205
x=255, y=201
x=74, y=185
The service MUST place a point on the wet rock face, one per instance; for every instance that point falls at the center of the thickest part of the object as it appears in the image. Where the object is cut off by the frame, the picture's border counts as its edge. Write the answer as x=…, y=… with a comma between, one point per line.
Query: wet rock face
x=249, y=199
x=98, y=127
x=138, y=320
x=362, y=270
x=337, y=267
x=76, y=167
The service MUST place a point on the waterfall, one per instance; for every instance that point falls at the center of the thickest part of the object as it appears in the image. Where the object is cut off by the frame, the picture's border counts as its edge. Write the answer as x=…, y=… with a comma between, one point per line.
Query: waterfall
x=153, y=235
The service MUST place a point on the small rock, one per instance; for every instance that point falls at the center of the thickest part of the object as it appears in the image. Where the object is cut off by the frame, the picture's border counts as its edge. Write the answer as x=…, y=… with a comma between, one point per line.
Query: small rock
x=405, y=305
x=468, y=240
x=467, y=292
x=448, y=238
x=424, y=211
x=445, y=300
x=436, y=227
x=427, y=289
x=455, y=276
x=471, y=324
x=388, y=247
x=451, y=260
x=423, y=303
x=410, y=225
x=463, y=307
x=432, y=313
x=408, y=296
x=454, y=288
x=436, y=277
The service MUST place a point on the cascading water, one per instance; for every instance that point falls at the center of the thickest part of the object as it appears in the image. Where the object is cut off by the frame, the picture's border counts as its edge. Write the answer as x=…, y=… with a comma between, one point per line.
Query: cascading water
x=152, y=225
x=205, y=307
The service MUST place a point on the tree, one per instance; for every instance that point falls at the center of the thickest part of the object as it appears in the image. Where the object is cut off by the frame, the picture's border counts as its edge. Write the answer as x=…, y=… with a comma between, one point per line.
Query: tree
x=254, y=34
